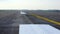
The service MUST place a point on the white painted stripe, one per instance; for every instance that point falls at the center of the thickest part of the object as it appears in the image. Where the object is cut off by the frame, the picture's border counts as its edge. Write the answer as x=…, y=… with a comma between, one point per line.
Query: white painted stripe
x=22, y=12
x=37, y=29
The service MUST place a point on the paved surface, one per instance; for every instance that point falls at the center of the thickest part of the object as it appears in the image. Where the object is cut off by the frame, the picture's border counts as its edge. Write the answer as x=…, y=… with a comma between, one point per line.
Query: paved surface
x=38, y=29
x=10, y=20
x=51, y=18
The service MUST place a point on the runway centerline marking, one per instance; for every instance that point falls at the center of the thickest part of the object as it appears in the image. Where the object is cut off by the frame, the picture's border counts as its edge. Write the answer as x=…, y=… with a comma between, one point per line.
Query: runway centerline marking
x=46, y=19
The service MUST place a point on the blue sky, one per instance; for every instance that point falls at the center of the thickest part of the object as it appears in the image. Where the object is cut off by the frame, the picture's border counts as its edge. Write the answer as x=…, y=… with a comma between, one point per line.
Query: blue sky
x=30, y=4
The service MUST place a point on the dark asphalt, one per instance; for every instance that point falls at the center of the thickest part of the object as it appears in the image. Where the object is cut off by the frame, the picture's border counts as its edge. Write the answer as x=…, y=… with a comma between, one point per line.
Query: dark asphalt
x=6, y=25
x=40, y=21
x=9, y=21
x=50, y=15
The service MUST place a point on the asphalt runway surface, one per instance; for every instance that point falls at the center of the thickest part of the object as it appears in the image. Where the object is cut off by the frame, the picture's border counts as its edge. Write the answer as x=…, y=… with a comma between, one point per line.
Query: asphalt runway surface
x=55, y=16
x=10, y=20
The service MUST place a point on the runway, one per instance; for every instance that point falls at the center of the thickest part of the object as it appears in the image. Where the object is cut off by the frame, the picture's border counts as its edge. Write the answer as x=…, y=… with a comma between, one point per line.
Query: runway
x=39, y=17
x=11, y=19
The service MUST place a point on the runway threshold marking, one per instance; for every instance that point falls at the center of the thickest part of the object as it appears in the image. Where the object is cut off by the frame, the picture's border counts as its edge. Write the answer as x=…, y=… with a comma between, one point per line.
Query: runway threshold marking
x=46, y=19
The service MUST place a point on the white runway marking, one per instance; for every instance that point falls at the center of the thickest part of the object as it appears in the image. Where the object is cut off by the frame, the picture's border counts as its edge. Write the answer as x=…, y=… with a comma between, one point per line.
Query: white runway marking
x=38, y=29
x=22, y=12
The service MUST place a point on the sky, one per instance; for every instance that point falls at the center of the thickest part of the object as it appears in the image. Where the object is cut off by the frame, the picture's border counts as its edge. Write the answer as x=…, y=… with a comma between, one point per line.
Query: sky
x=30, y=4
x=37, y=29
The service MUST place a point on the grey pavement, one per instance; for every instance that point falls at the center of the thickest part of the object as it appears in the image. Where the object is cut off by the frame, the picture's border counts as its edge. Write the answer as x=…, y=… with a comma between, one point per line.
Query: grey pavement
x=10, y=21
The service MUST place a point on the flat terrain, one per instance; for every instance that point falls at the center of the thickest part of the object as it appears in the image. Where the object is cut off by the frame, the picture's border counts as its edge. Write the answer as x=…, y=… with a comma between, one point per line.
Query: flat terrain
x=45, y=17
x=10, y=19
